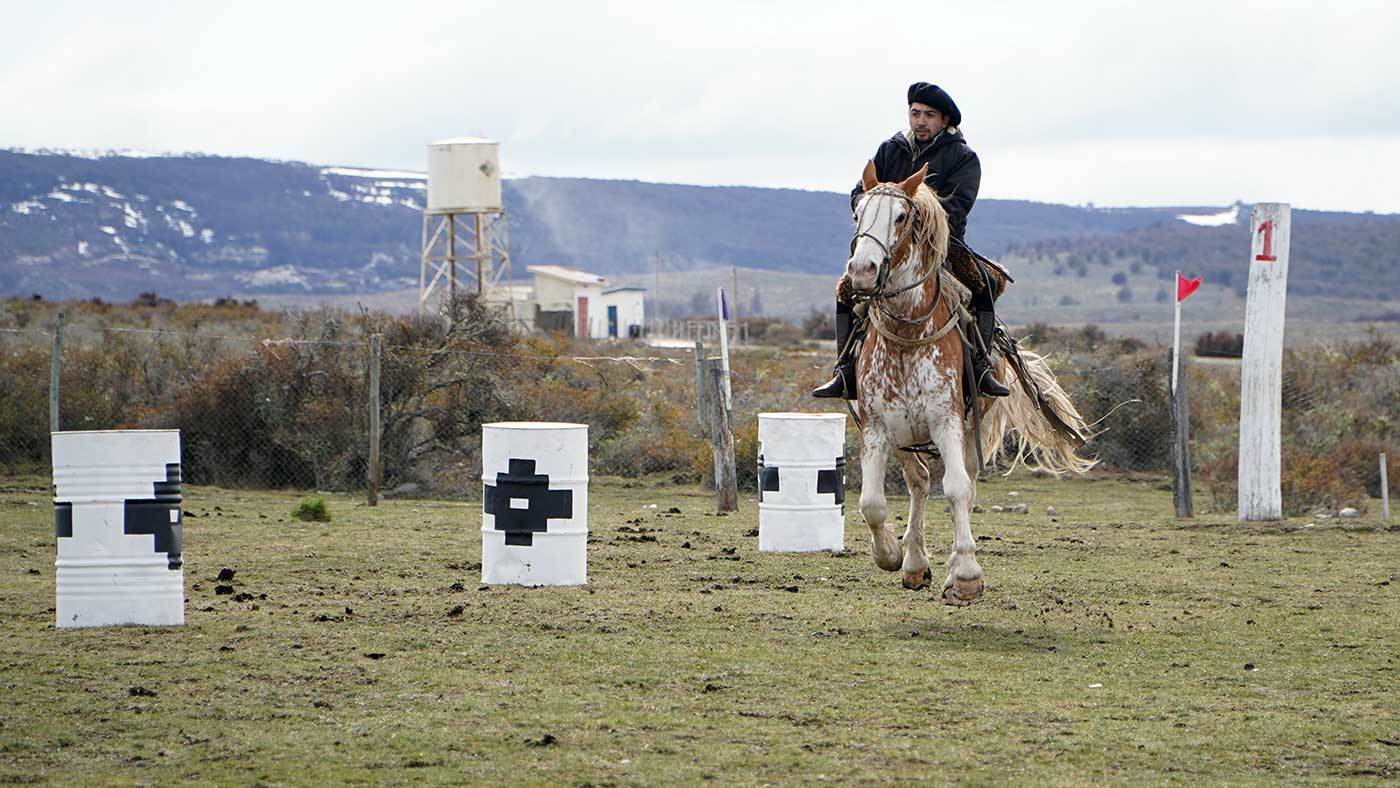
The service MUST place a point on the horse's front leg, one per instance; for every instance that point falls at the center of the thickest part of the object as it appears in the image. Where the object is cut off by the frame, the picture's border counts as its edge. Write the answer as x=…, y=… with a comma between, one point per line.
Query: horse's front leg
x=917, y=575
x=963, y=585
x=874, y=446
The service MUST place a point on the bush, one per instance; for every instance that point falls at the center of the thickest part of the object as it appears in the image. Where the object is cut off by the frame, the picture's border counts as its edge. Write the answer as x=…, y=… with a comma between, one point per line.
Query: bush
x=819, y=325
x=312, y=510
x=1136, y=435
x=1222, y=344
x=1308, y=482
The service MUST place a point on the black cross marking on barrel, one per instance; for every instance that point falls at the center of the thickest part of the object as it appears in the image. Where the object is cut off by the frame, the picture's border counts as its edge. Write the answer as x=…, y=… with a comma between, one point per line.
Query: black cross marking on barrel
x=63, y=519
x=159, y=515
x=520, y=482
x=834, y=481
x=767, y=478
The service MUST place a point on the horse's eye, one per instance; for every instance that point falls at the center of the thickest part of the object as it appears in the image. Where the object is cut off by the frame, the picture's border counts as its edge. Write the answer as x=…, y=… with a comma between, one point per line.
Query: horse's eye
x=899, y=218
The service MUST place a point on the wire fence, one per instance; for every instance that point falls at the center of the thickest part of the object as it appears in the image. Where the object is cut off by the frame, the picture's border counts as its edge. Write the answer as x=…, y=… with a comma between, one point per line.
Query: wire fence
x=290, y=408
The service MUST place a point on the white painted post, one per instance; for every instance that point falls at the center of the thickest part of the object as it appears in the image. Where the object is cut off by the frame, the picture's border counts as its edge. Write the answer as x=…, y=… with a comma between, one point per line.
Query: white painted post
x=1176, y=339
x=724, y=349
x=1385, y=491
x=1261, y=372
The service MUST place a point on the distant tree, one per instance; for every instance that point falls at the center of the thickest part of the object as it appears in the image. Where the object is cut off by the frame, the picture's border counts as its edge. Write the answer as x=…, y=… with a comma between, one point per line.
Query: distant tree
x=1124, y=295
x=819, y=324
x=1120, y=278
x=756, y=303
x=1222, y=344
x=1162, y=296
x=1068, y=300
x=700, y=303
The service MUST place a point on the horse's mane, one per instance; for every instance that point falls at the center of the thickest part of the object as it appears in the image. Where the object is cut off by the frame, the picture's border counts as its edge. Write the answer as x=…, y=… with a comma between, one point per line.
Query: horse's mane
x=931, y=234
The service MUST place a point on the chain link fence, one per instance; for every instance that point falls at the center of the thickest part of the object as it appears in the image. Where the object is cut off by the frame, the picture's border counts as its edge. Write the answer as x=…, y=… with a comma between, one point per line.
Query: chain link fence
x=285, y=403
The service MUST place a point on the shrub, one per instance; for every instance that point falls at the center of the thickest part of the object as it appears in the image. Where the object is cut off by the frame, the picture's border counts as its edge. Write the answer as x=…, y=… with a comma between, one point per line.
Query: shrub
x=312, y=510
x=1222, y=344
x=1307, y=481
x=819, y=325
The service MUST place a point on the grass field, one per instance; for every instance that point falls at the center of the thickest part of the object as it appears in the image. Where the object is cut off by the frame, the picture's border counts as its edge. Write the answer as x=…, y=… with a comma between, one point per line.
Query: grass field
x=1112, y=645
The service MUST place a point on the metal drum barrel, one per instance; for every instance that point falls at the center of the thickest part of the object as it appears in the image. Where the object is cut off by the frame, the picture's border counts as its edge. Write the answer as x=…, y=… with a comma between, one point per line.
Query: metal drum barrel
x=117, y=520
x=801, y=482
x=534, y=511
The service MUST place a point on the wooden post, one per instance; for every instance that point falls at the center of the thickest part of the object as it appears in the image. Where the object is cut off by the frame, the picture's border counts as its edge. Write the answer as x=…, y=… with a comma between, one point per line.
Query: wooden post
x=1261, y=371
x=374, y=432
x=702, y=406
x=55, y=367
x=1385, y=491
x=722, y=440
x=1181, y=440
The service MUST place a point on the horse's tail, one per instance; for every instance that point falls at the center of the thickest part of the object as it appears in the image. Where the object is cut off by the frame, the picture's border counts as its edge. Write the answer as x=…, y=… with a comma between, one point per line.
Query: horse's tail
x=1050, y=439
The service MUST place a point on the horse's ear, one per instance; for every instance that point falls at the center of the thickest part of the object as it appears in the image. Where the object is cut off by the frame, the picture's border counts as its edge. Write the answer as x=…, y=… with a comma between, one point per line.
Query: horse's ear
x=911, y=184
x=868, y=179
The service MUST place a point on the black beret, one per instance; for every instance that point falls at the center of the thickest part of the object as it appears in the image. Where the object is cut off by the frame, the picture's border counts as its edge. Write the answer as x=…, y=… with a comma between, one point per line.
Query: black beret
x=938, y=98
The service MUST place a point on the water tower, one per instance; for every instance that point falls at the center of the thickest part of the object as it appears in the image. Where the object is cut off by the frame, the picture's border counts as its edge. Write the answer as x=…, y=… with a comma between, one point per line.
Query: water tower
x=465, y=236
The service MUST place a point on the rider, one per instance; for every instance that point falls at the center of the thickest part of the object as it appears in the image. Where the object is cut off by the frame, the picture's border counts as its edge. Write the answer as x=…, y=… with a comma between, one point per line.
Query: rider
x=954, y=174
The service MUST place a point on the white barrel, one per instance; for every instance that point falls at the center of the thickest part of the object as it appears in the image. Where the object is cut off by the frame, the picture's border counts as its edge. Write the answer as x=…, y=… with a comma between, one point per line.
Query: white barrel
x=801, y=482
x=534, y=509
x=464, y=176
x=118, y=524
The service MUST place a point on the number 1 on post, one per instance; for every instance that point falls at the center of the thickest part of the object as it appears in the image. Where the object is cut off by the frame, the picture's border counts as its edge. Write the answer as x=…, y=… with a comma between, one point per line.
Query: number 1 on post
x=1267, y=255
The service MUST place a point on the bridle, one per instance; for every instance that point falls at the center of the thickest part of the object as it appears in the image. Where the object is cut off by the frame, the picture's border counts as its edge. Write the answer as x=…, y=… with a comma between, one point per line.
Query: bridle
x=903, y=243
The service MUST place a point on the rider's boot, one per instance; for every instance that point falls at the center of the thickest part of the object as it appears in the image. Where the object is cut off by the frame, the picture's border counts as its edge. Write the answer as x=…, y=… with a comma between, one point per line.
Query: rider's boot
x=843, y=383
x=987, y=384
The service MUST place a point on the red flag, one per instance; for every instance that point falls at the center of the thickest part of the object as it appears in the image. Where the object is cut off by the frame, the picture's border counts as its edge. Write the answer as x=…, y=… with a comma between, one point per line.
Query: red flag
x=1185, y=287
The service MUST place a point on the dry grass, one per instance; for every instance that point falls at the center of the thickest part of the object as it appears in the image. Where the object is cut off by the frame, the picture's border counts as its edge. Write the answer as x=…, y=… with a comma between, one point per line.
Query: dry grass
x=682, y=663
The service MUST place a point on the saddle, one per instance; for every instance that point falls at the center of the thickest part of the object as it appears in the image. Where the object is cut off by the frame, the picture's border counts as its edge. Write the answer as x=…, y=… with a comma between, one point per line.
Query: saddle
x=963, y=262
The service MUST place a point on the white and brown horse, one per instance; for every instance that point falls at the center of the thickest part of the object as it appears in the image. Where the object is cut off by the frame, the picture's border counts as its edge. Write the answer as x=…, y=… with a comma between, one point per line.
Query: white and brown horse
x=910, y=376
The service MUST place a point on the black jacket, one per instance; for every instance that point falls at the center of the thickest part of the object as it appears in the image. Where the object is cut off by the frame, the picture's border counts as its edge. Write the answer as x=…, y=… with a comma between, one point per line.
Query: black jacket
x=954, y=172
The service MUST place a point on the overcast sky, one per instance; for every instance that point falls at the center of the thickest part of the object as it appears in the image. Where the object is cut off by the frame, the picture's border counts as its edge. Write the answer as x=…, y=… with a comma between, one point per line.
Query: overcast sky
x=1169, y=103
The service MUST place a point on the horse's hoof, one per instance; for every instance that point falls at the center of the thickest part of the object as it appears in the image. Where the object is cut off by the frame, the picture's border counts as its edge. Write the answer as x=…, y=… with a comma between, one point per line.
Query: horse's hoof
x=918, y=581
x=961, y=593
x=888, y=557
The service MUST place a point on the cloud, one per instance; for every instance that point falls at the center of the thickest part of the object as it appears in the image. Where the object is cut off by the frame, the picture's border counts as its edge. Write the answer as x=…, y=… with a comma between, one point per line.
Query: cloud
x=1188, y=102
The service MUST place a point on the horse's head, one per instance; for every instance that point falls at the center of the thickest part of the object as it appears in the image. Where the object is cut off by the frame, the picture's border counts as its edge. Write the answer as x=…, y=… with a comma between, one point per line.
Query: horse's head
x=892, y=222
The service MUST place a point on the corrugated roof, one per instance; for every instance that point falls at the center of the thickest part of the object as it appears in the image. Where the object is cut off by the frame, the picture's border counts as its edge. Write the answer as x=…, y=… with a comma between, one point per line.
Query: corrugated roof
x=567, y=274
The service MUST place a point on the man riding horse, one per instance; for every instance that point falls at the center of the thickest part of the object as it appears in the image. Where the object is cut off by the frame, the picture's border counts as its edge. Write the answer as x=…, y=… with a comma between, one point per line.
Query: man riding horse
x=954, y=174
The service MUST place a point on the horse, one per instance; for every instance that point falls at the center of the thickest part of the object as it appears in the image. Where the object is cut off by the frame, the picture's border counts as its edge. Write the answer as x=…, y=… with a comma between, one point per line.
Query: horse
x=910, y=374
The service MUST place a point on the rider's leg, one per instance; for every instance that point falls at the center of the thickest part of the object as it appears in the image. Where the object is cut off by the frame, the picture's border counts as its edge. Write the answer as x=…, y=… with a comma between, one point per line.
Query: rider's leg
x=983, y=306
x=850, y=329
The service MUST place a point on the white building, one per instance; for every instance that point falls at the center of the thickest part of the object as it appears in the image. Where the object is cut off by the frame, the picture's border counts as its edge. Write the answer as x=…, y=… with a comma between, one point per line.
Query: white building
x=624, y=313
x=574, y=302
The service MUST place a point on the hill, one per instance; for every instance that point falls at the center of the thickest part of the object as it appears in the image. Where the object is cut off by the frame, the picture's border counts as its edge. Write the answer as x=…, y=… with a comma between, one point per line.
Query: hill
x=192, y=227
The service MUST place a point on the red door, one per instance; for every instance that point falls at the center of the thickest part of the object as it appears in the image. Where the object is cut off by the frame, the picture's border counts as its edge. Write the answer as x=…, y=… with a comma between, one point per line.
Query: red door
x=582, y=316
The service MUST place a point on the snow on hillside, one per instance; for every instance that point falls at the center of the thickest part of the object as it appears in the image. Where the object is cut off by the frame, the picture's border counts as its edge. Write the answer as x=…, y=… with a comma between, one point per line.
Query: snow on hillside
x=1230, y=216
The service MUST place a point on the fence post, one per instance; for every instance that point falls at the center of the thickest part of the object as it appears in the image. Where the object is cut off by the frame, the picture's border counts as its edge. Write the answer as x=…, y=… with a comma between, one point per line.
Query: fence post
x=1261, y=367
x=702, y=407
x=1181, y=438
x=55, y=367
x=374, y=470
x=1385, y=491
x=722, y=441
